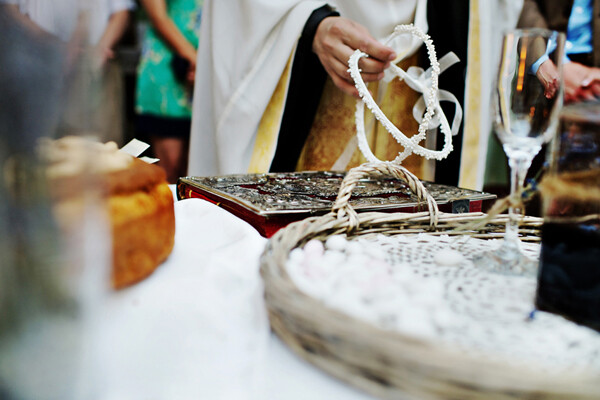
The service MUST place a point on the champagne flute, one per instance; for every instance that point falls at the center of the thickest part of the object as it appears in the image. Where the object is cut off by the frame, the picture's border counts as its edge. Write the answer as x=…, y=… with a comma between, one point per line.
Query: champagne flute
x=527, y=101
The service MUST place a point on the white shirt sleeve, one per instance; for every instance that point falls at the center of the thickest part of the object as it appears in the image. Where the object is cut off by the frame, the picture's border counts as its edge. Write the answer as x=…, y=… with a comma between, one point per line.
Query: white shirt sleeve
x=120, y=5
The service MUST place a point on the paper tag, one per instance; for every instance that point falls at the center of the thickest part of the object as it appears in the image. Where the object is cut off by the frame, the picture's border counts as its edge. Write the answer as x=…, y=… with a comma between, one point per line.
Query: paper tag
x=135, y=147
x=149, y=160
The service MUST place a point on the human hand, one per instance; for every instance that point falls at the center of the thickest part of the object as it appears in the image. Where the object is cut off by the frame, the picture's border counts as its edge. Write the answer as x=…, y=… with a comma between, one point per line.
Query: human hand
x=191, y=72
x=191, y=75
x=101, y=55
x=548, y=75
x=581, y=82
x=335, y=41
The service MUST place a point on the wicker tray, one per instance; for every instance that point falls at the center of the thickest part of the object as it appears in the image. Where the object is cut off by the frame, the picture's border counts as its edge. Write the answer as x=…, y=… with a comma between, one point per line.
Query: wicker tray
x=389, y=364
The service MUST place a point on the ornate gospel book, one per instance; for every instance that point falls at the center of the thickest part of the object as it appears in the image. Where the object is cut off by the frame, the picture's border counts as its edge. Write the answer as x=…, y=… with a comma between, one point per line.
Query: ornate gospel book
x=271, y=201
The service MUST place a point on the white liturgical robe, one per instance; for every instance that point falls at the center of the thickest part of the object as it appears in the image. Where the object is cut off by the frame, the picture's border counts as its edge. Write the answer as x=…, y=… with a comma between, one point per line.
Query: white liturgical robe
x=244, y=48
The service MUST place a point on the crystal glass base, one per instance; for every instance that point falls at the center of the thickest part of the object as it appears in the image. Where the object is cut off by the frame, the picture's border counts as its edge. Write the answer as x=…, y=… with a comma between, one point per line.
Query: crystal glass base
x=507, y=260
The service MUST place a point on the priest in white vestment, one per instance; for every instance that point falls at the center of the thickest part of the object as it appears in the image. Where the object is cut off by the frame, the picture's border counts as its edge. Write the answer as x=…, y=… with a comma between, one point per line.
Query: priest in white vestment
x=245, y=59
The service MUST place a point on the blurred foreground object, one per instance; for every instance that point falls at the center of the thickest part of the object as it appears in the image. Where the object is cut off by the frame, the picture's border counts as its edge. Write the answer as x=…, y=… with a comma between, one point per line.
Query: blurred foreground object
x=569, y=280
x=52, y=280
x=139, y=202
x=41, y=308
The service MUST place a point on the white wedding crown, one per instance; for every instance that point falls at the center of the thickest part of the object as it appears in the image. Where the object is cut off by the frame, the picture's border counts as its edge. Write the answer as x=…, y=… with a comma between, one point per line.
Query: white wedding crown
x=427, y=110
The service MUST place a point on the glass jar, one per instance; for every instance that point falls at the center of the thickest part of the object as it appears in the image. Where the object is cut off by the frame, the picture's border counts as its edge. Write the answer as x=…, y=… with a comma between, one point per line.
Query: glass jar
x=569, y=275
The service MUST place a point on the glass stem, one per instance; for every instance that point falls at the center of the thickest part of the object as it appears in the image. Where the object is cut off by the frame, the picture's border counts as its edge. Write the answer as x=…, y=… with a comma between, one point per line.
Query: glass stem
x=519, y=165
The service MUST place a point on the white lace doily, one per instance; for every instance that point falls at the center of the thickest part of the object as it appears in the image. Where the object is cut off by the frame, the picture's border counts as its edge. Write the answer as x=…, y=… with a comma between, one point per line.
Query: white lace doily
x=427, y=286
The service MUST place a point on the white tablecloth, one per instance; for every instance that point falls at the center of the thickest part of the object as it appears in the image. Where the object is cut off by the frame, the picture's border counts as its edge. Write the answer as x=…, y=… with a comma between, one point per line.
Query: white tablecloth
x=197, y=328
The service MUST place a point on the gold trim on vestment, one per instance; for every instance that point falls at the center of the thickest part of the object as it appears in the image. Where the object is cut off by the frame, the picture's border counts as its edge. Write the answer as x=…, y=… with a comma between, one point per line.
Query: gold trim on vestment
x=270, y=123
x=470, y=155
x=334, y=126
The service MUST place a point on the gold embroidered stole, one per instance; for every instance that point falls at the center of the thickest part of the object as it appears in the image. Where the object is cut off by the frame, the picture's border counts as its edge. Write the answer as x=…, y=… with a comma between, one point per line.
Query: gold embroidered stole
x=333, y=131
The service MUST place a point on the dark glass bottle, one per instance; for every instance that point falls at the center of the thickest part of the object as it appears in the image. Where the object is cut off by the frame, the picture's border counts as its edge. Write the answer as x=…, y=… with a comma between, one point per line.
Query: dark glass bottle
x=569, y=275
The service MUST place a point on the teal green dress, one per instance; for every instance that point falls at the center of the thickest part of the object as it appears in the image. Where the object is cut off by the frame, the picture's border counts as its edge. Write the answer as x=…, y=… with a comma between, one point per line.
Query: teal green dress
x=162, y=102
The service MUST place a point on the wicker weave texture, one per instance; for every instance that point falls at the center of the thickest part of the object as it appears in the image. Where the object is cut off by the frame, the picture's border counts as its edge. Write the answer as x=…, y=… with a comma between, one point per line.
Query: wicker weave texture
x=388, y=364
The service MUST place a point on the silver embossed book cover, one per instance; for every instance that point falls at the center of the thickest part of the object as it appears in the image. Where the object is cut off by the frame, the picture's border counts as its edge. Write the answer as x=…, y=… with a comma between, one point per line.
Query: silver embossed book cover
x=271, y=201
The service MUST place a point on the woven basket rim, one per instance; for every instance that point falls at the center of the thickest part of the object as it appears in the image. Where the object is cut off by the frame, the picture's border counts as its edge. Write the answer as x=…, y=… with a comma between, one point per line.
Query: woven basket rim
x=444, y=371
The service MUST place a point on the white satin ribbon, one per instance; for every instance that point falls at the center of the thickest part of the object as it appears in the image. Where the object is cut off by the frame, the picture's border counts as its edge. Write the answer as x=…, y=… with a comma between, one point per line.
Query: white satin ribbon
x=420, y=80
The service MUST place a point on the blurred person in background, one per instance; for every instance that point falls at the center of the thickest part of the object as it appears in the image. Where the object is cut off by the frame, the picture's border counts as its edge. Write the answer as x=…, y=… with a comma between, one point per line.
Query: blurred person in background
x=93, y=94
x=165, y=80
x=31, y=73
x=580, y=20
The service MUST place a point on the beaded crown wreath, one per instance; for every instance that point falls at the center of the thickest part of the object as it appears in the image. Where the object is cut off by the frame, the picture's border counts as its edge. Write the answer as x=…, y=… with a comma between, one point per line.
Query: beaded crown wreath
x=427, y=111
